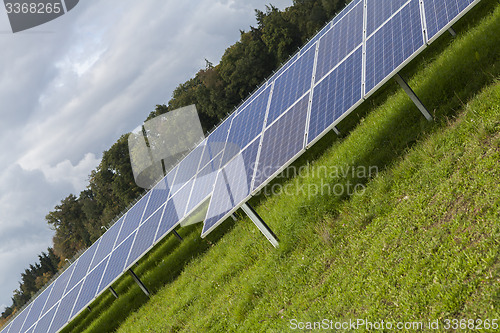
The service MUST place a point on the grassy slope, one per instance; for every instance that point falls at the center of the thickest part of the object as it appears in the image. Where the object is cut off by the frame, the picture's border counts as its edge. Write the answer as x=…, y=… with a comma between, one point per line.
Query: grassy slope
x=420, y=243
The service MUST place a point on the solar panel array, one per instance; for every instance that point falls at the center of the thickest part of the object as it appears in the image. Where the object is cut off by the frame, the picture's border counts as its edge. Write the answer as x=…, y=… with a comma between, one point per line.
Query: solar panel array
x=357, y=52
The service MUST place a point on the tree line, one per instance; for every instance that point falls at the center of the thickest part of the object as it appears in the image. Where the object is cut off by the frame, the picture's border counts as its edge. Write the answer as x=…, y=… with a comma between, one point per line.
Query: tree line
x=215, y=90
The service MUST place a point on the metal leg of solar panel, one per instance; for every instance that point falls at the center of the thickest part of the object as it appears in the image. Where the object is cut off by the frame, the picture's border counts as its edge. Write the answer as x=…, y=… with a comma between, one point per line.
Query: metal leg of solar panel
x=452, y=32
x=177, y=235
x=139, y=282
x=412, y=96
x=336, y=130
x=259, y=222
x=113, y=292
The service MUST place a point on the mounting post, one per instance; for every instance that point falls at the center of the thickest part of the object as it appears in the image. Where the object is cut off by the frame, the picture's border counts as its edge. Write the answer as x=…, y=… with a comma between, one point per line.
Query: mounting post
x=113, y=292
x=413, y=97
x=452, y=32
x=139, y=282
x=335, y=129
x=177, y=235
x=88, y=308
x=259, y=222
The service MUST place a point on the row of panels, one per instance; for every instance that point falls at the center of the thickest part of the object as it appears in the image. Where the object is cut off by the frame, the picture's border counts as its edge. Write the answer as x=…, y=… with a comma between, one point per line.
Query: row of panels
x=345, y=62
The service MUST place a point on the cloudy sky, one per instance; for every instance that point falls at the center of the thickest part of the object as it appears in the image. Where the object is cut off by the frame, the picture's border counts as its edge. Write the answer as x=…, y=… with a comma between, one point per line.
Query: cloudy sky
x=70, y=88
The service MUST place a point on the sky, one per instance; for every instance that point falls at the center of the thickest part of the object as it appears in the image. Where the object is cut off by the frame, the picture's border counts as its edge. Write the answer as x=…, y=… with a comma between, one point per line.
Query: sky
x=71, y=87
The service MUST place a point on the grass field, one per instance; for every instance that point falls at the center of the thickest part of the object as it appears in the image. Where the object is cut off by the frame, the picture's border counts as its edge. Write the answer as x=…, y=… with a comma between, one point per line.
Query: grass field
x=418, y=241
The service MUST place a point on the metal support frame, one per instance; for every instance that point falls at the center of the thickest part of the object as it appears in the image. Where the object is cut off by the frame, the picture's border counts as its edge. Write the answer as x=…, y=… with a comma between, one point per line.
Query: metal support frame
x=452, y=32
x=335, y=129
x=177, y=235
x=113, y=292
x=259, y=222
x=412, y=96
x=139, y=282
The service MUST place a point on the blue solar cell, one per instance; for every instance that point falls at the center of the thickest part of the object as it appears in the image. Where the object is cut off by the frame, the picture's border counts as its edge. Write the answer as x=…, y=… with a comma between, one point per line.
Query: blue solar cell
x=145, y=236
x=293, y=84
x=116, y=263
x=187, y=169
x=18, y=322
x=59, y=288
x=217, y=139
x=181, y=198
x=246, y=125
x=439, y=13
x=251, y=98
x=89, y=289
x=169, y=220
x=232, y=186
x=203, y=186
x=393, y=44
x=107, y=242
x=30, y=330
x=341, y=40
x=316, y=37
x=283, y=68
x=378, y=11
x=344, y=11
x=82, y=265
x=132, y=219
x=43, y=324
x=334, y=95
x=64, y=309
x=282, y=141
x=37, y=308
x=159, y=195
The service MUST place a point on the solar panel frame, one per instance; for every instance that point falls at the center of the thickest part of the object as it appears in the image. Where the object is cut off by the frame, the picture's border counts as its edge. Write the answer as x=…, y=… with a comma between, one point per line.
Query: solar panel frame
x=397, y=68
x=450, y=23
x=133, y=218
x=220, y=217
x=314, y=136
x=152, y=223
x=39, y=302
x=306, y=100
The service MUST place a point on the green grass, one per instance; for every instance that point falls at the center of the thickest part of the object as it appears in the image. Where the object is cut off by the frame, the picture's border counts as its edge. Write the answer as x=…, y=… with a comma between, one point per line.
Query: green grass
x=419, y=242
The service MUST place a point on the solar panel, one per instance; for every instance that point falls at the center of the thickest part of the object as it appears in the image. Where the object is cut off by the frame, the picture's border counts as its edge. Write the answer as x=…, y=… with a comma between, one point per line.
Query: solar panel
x=82, y=265
x=439, y=13
x=90, y=288
x=246, y=125
x=63, y=311
x=203, y=186
x=392, y=44
x=282, y=141
x=187, y=168
x=43, y=324
x=169, y=220
x=107, y=242
x=292, y=85
x=145, y=236
x=217, y=139
x=133, y=218
x=283, y=68
x=159, y=195
x=59, y=288
x=116, y=263
x=181, y=198
x=335, y=94
x=37, y=308
x=18, y=322
x=341, y=40
x=232, y=187
x=379, y=11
